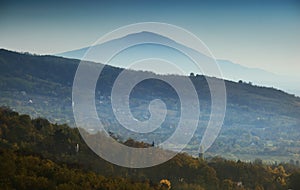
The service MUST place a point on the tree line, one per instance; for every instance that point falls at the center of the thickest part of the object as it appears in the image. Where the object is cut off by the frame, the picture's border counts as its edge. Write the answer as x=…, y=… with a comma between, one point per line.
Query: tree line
x=36, y=154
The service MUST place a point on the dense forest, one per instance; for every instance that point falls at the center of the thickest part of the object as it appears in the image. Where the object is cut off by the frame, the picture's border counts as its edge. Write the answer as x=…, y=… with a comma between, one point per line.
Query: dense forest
x=36, y=154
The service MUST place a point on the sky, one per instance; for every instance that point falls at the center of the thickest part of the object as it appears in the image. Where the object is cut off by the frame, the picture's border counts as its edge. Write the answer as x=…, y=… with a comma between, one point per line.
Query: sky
x=259, y=34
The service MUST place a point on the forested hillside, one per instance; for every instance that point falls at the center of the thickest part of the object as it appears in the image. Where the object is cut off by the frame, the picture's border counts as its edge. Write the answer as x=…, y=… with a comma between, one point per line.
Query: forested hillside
x=36, y=154
x=259, y=122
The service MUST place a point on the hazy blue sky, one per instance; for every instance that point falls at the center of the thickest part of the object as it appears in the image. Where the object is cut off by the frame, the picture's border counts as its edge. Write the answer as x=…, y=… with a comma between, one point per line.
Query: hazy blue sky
x=261, y=34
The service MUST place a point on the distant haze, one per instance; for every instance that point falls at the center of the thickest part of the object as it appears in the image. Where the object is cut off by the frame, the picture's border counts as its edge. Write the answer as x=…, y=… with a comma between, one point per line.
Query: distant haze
x=141, y=57
x=255, y=34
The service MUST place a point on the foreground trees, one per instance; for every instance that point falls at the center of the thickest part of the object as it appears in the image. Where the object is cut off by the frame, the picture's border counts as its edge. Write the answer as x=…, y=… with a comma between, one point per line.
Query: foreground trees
x=35, y=154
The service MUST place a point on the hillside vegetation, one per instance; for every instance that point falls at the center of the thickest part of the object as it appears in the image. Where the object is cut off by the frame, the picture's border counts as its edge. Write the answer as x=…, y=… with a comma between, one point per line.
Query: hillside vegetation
x=36, y=154
x=259, y=121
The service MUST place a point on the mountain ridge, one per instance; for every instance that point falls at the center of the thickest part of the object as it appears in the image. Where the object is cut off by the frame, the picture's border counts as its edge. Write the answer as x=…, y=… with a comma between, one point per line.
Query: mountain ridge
x=230, y=70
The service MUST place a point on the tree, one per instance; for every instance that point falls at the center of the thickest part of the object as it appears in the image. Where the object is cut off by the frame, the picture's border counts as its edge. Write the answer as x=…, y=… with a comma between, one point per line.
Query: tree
x=259, y=187
x=258, y=161
x=165, y=184
x=227, y=184
x=7, y=168
x=294, y=180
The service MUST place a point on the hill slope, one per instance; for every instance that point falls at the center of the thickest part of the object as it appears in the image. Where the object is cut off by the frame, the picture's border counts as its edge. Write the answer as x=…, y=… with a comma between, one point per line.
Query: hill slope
x=36, y=154
x=259, y=121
